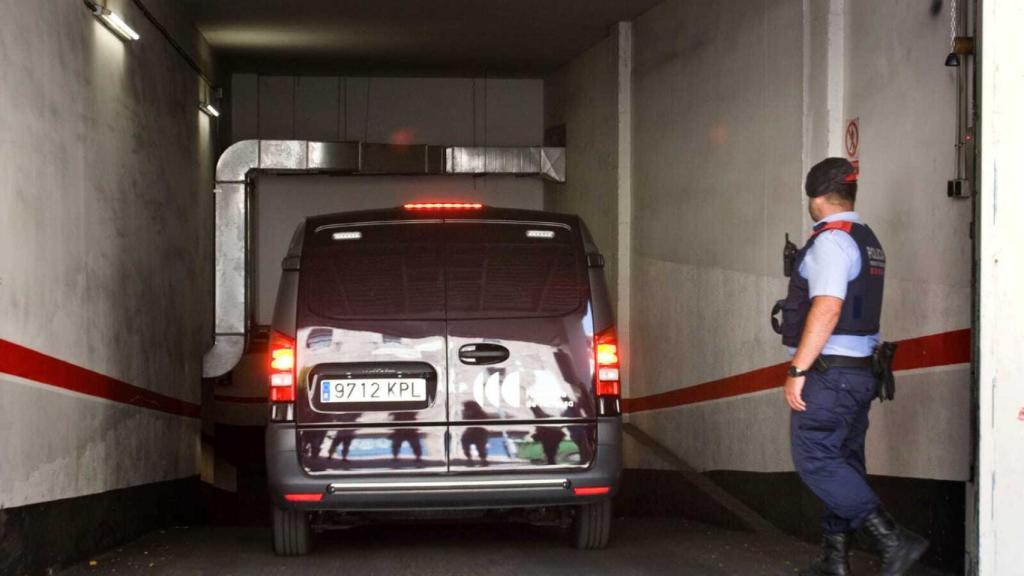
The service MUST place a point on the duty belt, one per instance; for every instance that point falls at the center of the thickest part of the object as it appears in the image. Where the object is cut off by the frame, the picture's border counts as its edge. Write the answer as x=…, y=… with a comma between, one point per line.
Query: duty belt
x=826, y=361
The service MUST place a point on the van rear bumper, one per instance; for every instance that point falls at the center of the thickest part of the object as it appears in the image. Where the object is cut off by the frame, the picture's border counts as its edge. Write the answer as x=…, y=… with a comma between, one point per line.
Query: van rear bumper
x=441, y=491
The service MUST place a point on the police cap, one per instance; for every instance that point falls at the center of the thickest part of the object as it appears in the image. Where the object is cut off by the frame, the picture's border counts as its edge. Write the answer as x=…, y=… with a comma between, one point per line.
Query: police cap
x=828, y=175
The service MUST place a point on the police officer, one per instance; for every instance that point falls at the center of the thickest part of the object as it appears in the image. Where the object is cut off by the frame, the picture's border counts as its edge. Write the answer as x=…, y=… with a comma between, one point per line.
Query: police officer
x=830, y=322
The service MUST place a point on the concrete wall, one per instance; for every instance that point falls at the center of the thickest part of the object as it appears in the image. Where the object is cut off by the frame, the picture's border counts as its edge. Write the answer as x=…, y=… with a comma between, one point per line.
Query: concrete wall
x=583, y=96
x=456, y=111
x=718, y=162
x=105, y=231
x=732, y=102
x=905, y=99
x=1001, y=274
x=725, y=129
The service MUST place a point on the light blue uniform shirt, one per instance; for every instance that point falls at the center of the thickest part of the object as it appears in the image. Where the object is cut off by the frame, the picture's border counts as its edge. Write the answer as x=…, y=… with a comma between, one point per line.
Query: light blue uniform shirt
x=829, y=266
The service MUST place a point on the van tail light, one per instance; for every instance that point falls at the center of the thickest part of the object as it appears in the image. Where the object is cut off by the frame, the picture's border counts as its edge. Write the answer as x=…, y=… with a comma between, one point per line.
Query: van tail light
x=282, y=368
x=607, y=347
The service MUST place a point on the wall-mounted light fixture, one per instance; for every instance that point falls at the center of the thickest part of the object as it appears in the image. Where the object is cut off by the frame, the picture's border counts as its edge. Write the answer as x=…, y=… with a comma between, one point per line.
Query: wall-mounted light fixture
x=207, y=99
x=209, y=109
x=112, y=21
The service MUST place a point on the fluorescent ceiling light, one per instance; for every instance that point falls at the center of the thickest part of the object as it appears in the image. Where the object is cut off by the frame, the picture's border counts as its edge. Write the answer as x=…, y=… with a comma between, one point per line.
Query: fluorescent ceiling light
x=113, y=22
x=209, y=109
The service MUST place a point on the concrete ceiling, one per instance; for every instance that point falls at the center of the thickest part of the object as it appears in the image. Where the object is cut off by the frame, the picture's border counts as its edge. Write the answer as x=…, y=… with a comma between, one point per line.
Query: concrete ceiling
x=406, y=37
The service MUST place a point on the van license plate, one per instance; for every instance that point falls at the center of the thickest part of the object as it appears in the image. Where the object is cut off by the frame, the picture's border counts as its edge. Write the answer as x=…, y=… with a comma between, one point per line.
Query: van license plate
x=374, y=390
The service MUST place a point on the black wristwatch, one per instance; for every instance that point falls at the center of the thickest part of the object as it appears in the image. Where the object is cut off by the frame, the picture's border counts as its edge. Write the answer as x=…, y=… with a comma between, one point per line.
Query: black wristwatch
x=796, y=372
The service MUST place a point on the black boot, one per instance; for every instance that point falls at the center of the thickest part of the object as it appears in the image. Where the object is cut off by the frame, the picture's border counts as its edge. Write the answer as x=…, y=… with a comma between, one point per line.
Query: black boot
x=834, y=559
x=898, y=547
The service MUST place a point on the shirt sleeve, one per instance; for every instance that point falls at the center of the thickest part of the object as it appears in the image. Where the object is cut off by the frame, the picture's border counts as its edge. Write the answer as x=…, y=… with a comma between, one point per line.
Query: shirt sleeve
x=830, y=264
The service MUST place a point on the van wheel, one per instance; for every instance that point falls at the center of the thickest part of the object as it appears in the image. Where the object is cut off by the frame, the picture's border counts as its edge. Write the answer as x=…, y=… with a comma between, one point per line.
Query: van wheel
x=592, y=525
x=292, y=536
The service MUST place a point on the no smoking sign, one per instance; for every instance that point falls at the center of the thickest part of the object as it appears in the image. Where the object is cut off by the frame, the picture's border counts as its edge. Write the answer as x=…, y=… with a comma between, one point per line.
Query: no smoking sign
x=852, y=138
x=852, y=141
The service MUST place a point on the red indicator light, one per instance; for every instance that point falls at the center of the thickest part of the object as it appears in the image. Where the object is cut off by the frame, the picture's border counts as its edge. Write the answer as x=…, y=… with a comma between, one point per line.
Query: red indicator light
x=592, y=491
x=444, y=206
x=316, y=497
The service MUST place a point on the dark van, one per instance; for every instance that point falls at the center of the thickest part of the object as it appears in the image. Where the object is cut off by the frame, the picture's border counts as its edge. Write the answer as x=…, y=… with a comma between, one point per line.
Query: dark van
x=443, y=356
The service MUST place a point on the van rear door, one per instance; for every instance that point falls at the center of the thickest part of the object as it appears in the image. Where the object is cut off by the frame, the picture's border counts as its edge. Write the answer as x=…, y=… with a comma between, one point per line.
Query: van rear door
x=370, y=349
x=520, y=346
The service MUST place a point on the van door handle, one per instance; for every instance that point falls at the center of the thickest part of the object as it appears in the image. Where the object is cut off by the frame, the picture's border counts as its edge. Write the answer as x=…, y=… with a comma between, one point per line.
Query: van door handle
x=483, y=354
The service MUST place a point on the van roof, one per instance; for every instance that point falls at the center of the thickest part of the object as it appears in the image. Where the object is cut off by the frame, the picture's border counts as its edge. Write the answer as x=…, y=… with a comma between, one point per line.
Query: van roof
x=400, y=213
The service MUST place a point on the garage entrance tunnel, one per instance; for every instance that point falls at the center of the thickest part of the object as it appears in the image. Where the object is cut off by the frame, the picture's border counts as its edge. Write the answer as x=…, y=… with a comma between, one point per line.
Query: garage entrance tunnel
x=449, y=287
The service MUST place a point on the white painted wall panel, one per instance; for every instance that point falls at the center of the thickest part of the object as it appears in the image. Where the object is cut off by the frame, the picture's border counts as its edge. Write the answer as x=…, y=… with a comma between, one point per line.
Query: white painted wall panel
x=452, y=111
x=513, y=108
x=244, y=107
x=905, y=99
x=416, y=110
x=751, y=433
x=318, y=108
x=355, y=106
x=59, y=444
x=276, y=105
x=584, y=97
x=105, y=247
x=1001, y=271
x=717, y=183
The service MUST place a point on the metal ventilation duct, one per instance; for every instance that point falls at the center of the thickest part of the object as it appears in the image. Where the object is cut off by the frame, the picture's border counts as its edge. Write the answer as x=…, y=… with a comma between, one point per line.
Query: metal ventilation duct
x=547, y=162
x=238, y=165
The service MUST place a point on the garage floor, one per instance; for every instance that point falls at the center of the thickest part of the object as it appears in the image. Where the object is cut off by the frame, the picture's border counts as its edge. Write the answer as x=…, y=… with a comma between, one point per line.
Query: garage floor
x=640, y=546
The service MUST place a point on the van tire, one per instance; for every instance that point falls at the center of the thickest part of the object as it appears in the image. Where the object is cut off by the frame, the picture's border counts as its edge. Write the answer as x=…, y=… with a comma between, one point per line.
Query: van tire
x=292, y=536
x=592, y=525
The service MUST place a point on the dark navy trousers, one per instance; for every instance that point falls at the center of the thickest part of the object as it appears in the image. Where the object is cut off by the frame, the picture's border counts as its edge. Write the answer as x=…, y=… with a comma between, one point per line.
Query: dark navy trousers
x=827, y=441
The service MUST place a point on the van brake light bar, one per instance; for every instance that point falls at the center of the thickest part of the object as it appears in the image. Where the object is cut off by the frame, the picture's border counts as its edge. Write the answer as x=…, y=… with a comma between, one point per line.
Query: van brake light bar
x=444, y=206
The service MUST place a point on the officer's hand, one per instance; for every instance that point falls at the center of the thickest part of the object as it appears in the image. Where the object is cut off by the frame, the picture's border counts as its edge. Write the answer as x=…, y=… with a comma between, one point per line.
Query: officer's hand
x=794, y=391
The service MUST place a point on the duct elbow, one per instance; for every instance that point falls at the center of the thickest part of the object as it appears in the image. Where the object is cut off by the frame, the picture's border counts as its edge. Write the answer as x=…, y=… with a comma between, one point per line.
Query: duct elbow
x=224, y=355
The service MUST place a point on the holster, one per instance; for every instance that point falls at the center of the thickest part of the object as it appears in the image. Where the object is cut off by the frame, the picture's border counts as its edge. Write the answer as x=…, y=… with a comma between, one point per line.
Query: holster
x=881, y=368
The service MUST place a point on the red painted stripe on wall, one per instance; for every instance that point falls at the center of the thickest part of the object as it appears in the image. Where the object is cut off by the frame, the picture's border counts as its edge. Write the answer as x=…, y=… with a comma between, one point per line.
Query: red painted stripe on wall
x=944, y=349
x=26, y=363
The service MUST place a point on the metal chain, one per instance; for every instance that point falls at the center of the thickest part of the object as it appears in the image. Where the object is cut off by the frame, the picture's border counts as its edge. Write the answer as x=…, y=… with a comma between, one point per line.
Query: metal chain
x=952, y=22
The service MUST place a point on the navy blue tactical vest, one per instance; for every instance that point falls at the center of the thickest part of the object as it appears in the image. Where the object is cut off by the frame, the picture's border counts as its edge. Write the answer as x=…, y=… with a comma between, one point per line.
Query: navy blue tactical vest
x=862, y=308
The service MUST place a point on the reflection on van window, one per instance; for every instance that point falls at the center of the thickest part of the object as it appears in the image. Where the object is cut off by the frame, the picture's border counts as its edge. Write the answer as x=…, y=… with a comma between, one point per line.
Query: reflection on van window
x=391, y=272
x=499, y=271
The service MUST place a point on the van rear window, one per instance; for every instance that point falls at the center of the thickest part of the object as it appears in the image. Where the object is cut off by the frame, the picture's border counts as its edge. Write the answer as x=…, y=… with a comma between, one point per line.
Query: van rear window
x=455, y=270
x=374, y=271
x=497, y=270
